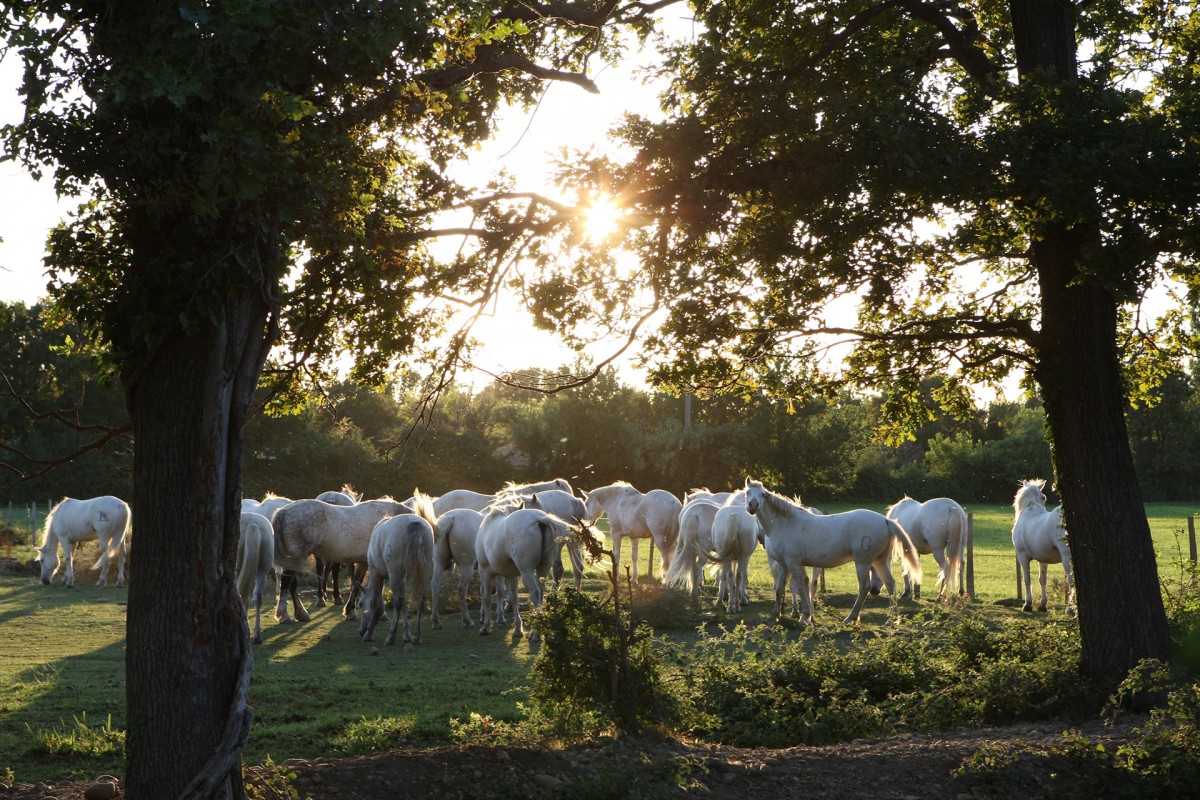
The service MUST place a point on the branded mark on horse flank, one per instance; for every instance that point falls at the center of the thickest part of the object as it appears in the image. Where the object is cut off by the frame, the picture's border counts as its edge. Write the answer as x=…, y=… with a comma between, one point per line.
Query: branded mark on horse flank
x=866, y=543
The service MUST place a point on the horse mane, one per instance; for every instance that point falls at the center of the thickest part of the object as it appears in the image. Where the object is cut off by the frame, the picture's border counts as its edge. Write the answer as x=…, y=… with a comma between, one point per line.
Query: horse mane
x=423, y=508
x=350, y=492
x=894, y=505
x=48, y=524
x=1024, y=497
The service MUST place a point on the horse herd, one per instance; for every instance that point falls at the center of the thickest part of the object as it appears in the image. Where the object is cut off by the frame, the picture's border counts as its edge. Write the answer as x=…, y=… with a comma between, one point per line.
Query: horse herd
x=520, y=531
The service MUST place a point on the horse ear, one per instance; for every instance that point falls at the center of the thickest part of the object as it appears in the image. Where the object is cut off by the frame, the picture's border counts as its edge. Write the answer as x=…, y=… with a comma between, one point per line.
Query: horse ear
x=748, y=481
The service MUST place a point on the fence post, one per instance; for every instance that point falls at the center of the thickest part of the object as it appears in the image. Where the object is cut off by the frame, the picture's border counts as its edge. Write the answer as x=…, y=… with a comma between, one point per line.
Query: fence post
x=33, y=526
x=1192, y=537
x=970, y=565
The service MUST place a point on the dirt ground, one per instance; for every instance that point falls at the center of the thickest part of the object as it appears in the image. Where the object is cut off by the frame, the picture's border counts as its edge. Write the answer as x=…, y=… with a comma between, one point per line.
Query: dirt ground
x=898, y=768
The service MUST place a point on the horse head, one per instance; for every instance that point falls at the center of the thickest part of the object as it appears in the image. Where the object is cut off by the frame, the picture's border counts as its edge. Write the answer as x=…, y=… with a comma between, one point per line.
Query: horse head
x=754, y=495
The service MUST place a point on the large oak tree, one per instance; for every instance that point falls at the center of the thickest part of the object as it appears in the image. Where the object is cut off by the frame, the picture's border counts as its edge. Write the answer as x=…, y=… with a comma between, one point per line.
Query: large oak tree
x=986, y=185
x=253, y=171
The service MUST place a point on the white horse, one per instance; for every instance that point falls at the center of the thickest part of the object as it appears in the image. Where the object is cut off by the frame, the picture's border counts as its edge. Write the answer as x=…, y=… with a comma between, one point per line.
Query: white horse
x=692, y=545
x=516, y=542
x=270, y=503
x=633, y=515
x=734, y=537
x=1038, y=535
x=105, y=519
x=401, y=553
x=939, y=527
x=457, y=531
x=465, y=498
x=329, y=572
x=802, y=538
x=569, y=508
x=256, y=558
x=332, y=533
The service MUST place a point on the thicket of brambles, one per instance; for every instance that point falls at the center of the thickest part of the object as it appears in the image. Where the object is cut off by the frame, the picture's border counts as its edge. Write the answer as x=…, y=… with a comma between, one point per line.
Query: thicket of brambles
x=825, y=450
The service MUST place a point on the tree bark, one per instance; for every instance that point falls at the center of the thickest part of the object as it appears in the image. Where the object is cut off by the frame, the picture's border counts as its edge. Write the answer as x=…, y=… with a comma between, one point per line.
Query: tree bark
x=1121, y=614
x=188, y=647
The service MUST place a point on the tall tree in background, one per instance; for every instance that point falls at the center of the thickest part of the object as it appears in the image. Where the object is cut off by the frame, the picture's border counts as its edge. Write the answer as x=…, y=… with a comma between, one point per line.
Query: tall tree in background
x=993, y=184
x=222, y=147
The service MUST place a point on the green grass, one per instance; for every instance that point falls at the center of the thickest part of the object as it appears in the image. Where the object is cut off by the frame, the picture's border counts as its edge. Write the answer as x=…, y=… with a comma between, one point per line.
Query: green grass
x=317, y=690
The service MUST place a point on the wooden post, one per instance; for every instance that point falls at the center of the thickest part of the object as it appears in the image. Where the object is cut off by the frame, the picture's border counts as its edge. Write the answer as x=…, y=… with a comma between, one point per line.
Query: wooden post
x=970, y=565
x=1192, y=538
x=33, y=526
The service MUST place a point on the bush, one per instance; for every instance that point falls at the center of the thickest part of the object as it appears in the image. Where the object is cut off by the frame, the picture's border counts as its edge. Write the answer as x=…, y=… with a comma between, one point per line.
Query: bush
x=596, y=667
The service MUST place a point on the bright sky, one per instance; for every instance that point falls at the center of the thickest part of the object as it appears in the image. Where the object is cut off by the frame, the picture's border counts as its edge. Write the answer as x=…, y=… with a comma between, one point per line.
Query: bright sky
x=568, y=115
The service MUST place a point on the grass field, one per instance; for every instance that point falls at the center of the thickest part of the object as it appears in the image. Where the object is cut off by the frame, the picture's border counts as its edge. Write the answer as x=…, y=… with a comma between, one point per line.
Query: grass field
x=318, y=691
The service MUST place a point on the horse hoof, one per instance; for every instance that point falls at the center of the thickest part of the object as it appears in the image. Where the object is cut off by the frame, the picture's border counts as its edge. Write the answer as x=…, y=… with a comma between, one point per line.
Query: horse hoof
x=320, y=603
x=484, y=632
x=391, y=640
x=258, y=640
x=437, y=626
x=303, y=618
x=408, y=647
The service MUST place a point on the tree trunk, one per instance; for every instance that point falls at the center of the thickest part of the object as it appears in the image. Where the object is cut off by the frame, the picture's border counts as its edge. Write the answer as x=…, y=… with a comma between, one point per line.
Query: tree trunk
x=1121, y=614
x=188, y=649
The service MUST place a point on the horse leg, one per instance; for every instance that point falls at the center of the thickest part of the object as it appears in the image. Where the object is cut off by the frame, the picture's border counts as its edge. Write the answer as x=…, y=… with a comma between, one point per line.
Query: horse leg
x=69, y=564
x=1066, y=562
x=281, y=612
x=435, y=588
x=518, y=623
x=464, y=583
x=121, y=564
x=780, y=574
x=260, y=582
x=398, y=610
x=322, y=570
x=485, y=605
x=1023, y=562
x=102, y=563
x=800, y=578
x=864, y=581
x=358, y=572
x=1043, y=568
x=335, y=578
x=297, y=606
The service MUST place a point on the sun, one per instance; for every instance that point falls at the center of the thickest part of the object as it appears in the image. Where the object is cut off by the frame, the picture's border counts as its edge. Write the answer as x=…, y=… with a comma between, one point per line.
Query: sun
x=601, y=218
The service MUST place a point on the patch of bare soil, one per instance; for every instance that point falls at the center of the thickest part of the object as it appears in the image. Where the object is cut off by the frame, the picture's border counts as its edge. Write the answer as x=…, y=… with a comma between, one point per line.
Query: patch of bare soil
x=896, y=768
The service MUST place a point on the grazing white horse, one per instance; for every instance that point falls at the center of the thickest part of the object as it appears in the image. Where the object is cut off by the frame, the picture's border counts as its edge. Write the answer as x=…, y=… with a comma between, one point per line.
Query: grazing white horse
x=569, y=508
x=401, y=553
x=465, y=498
x=734, y=537
x=633, y=515
x=938, y=527
x=332, y=533
x=255, y=560
x=802, y=538
x=692, y=546
x=516, y=542
x=1038, y=535
x=105, y=519
x=457, y=531
x=329, y=572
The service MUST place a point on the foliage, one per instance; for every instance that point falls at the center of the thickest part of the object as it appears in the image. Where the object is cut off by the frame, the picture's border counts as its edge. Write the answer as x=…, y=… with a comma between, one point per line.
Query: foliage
x=760, y=687
x=270, y=781
x=1162, y=759
x=78, y=741
x=597, y=666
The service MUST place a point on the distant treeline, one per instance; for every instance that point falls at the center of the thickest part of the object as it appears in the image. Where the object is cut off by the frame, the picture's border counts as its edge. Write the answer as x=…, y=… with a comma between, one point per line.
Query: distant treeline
x=825, y=451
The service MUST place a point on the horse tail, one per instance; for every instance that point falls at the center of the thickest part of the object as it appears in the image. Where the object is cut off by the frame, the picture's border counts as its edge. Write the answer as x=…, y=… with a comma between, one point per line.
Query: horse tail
x=553, y=533
x=418, y=557
x=679, y=573
x=117, y=539
x=956, y=542
x=249, y=548
x=422, y=505
x=904, y=549
x=670, y=537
